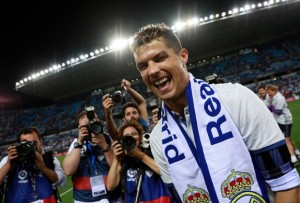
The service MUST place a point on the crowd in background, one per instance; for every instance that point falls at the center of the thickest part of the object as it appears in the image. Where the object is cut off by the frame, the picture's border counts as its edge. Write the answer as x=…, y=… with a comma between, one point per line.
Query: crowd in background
x=274, y=63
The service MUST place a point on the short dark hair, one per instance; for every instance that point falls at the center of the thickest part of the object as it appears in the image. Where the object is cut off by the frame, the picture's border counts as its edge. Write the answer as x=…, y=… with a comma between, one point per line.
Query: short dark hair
x=130, y=104
x=158, y=31
x=80, y=115
x=261, y=86
x=28, y=130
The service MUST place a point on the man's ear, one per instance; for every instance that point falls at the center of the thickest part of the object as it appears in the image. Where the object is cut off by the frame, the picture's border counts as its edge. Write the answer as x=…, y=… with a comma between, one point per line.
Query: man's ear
x=184, y=55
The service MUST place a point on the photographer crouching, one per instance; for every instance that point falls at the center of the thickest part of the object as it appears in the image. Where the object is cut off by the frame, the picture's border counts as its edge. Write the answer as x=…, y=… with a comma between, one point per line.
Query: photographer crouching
x=28, y=174
x=135, y=168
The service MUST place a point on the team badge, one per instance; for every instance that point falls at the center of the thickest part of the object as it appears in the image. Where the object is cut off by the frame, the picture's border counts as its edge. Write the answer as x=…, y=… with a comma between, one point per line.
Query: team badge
x=22, y=174
x=194, y=194
x=237, y=187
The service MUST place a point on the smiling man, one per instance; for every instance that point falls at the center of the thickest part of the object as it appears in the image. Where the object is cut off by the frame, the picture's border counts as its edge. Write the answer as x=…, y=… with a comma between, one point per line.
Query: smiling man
x=211, y=136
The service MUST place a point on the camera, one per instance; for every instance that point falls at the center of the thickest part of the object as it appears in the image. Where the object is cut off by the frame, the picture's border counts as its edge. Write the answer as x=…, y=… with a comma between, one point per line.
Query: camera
x=214, y=79
x=94, y=126
x=128, y=142
x=146, y=141
x=26, y=150
x=118, y=97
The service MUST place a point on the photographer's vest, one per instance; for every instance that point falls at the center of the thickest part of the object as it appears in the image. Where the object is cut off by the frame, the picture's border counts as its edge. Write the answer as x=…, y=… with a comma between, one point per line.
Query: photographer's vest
x=22, y=184
x=91, y=164
x=152, y=190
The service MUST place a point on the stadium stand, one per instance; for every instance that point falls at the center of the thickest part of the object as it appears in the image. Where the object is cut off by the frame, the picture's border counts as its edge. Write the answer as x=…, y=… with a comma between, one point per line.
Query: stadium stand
x=277, y=62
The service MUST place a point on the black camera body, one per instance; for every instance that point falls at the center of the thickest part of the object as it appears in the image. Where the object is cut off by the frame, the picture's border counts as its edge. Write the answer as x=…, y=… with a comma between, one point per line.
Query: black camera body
x=214, y=79
x=94, y=126
x=128, y=142
x=118, y=97
x=26, y=151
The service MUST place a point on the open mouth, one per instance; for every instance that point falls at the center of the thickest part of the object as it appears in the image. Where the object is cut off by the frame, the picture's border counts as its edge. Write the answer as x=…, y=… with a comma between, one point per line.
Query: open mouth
x=162, y=82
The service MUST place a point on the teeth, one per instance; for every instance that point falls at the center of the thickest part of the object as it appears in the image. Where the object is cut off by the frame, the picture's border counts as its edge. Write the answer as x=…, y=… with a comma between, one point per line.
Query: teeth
x=159, y=82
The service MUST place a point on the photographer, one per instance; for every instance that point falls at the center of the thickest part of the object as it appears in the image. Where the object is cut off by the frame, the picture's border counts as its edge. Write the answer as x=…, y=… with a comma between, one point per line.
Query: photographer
x=131, y=111
x=134, y=166
x=29, y=177
x=88, y=160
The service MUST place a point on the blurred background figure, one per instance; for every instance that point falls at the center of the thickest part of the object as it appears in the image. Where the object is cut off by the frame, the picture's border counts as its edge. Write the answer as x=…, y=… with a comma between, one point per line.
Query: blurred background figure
x=279, y=107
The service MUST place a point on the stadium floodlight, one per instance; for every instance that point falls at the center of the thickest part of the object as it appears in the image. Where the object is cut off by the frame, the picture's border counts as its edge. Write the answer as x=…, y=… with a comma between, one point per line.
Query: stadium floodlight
x=21, y=81
x=247, y=7
x=179, y=25
x=29, y=78
x=17, y=83
x=192, y=21
x=130, y=40
x=119, y=44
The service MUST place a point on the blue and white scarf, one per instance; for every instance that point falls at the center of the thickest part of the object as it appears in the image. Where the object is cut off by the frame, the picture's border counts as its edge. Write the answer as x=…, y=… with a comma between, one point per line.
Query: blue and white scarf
x=218, y=167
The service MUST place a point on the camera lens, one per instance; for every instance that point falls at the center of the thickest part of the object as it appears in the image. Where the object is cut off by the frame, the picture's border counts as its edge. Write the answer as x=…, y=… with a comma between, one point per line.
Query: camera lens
x=117, y=97
x=128, y=142
x=96, y=128
x=26, y=150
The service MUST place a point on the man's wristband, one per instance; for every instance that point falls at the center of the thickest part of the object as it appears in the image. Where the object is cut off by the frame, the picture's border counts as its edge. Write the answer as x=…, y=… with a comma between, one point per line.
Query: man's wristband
x=106, y=149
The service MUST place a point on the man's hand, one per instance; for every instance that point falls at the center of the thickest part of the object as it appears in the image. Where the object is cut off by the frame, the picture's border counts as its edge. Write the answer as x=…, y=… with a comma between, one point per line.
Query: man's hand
x=100, y=141
x=107, y=104
x=155, y=115
x=39, y=161
x=82, y=133
x=125, y=84
x=12, y=153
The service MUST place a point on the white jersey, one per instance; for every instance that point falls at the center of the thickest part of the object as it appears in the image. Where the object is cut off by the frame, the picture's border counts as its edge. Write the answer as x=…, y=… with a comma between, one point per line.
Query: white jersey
x=279, y=103
x=243, y=106
x=266, y=100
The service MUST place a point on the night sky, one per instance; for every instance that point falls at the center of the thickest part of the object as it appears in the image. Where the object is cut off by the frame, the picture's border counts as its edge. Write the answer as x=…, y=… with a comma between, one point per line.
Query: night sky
x=37, y=36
